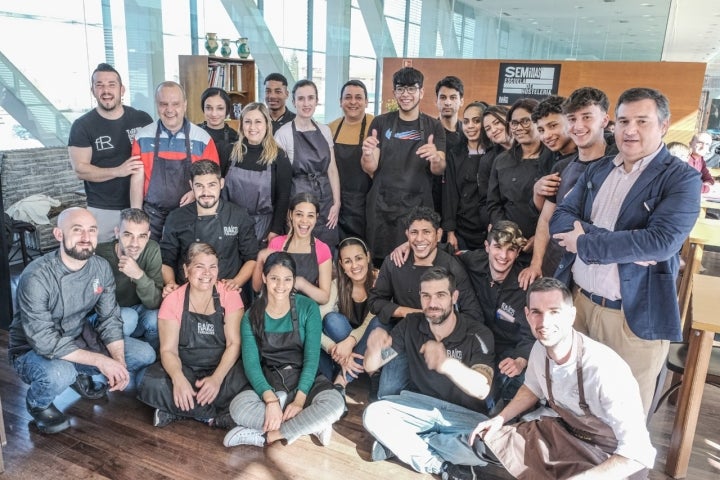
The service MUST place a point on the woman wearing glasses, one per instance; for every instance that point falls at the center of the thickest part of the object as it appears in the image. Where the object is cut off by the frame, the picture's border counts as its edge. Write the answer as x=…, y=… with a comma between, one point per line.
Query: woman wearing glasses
x=514, y=173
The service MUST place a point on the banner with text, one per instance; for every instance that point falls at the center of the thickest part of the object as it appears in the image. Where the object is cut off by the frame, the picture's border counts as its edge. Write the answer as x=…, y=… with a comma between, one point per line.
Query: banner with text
x=522, y=80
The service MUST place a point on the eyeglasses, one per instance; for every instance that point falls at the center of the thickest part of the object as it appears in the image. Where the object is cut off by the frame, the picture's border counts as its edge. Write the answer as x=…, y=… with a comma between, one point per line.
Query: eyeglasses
x=412, y=89
x=524, y=122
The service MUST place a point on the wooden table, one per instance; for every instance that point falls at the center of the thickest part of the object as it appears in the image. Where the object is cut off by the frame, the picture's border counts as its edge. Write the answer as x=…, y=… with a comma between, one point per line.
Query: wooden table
x=705, y=232
x=705, y=324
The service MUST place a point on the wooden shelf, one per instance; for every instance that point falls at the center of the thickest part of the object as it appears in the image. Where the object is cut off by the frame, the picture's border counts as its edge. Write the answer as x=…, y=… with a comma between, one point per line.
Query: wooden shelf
x=195, y=71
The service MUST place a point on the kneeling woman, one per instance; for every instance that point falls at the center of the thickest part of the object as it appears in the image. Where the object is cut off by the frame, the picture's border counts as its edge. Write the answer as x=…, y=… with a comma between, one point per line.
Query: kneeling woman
x=199, y=371
x=280, y=350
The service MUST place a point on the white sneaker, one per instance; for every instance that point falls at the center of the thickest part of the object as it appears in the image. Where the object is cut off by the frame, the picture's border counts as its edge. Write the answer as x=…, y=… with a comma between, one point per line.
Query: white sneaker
x=244, y=436
x=324, y=435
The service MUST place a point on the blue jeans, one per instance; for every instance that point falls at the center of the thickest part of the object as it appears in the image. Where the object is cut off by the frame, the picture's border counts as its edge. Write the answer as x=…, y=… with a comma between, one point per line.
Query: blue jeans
x=48, y=378
x=338, y=328
x=424, y=431
x=141, y=322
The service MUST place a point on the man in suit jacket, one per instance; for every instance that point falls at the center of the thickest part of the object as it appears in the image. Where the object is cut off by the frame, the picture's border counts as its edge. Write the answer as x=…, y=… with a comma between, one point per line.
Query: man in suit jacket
x=622, y=227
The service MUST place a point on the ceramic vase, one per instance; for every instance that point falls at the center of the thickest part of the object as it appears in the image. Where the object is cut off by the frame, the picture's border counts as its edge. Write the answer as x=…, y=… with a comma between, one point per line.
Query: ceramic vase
x=243, y=48
x=211, y=44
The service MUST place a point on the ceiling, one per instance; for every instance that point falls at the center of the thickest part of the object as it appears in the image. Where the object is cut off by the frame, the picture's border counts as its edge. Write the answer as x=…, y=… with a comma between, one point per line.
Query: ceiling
x=630, y=30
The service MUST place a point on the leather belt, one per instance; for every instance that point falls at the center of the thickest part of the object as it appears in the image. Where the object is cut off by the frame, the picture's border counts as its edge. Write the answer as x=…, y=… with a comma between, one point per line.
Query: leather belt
x=602, y=301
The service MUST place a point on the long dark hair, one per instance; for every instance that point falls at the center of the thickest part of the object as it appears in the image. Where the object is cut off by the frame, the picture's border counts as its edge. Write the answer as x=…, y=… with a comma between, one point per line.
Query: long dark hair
x=303, y=197
x=345, y=286
x=257, y=311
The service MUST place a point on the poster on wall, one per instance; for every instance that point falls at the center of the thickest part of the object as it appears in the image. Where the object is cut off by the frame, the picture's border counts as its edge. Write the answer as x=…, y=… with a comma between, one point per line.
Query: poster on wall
x=521, y=80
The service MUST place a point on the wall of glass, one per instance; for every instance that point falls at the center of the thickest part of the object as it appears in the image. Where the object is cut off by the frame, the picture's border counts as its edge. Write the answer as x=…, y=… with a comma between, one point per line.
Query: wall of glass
x=49, y=49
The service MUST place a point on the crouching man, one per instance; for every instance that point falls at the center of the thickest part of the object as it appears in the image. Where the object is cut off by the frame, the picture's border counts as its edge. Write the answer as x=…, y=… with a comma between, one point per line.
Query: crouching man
x=52, y=344
x=595, y=427
x=449, y=358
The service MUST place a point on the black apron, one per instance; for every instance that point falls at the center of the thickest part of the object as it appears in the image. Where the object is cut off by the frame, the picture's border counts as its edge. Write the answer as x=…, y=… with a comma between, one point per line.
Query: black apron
x=311, y=160
x=282, y=357
x=402, y=182
x=306, y=264
x=354, y=184
x=201, y=345
x=557, y=448
x=252, y=190
x=169, y=181
x=471, y=217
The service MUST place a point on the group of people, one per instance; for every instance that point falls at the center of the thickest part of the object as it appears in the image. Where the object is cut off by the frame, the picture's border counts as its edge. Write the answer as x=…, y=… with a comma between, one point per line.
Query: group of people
x=269, y=267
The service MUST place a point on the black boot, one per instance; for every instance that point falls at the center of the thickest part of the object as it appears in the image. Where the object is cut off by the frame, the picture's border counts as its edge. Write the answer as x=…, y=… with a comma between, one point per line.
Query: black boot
x=48, y=419
x=88, y=388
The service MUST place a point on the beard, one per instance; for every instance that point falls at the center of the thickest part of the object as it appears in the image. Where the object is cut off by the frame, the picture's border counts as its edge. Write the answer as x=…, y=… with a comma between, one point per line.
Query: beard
x=437, y=317
x=77, y=253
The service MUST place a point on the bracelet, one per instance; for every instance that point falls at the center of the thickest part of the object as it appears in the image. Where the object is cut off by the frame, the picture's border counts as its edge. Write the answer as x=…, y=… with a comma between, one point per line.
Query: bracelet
x=277, y=400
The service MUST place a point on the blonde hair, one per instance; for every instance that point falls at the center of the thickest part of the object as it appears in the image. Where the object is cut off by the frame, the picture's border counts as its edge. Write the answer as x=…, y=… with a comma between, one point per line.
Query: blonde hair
x=270, y=146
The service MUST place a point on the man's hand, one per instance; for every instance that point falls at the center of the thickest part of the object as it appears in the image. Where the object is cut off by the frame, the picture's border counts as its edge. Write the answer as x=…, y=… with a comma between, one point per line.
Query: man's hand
x=379, y=339
x=231, y=284
x=130, y=166
x=568, y=240
x=435, y=355
x=529, y=245
x=129, y=267
x=452, y=240
x=208, y=389
x=429, y=151
x=400, y=255
x=547, y=185
x=528, y=275
x=169, y=288
x=188, y=198
x=116, y=373
x=370, y=143
x=512, y=367
x=488, y=428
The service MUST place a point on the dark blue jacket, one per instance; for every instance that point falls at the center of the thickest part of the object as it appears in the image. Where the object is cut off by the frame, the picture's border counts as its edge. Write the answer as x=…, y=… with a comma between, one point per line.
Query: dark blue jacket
x=655, y=219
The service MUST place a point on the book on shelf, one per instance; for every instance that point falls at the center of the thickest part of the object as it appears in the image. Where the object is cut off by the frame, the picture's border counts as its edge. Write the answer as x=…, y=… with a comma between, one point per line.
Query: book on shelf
x=227, y=76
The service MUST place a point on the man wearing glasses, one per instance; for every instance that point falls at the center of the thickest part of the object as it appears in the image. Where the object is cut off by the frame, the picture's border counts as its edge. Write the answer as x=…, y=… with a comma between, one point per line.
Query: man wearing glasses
x=404, y=149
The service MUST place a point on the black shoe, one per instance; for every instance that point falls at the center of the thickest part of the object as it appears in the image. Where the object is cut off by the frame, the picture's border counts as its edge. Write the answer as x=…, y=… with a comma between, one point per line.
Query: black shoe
x=458, y=472
x=88, y=388
x=341, y=390
x=223, y=422
x=48, y=419
x=161, y=418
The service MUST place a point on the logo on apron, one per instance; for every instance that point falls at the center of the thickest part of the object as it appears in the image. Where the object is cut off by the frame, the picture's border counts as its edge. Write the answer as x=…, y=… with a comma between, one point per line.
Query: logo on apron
x=205, y=328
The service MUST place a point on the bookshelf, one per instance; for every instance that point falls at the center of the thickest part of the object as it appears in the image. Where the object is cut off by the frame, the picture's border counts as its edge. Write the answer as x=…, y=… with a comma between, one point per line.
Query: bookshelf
x=198, y=72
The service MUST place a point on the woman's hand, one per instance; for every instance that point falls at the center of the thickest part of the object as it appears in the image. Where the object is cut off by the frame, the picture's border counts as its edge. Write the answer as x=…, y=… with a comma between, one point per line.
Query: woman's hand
x=273, y=417
x=351, y=367
x=184, y=395
x=295, y=407
x=208, y=389
x=342, y=350
x=333, y=215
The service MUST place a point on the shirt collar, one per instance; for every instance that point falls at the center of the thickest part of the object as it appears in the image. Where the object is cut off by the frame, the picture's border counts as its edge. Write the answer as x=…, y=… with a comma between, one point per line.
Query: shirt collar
x=642, y=164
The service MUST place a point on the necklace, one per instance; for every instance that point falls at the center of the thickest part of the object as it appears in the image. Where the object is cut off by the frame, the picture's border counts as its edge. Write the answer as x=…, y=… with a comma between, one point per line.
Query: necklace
x=535, y=154
x=197, y=310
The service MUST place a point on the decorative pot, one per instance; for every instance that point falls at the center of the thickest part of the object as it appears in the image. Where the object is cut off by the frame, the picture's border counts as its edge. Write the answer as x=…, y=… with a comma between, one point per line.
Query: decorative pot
x=225, y=51
x=243, y=48
x=211, y=44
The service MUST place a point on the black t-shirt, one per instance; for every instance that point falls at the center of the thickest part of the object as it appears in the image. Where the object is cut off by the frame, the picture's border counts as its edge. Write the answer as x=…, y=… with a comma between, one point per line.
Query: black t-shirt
x=470, y=342
x=111, y=143
x=224, y=139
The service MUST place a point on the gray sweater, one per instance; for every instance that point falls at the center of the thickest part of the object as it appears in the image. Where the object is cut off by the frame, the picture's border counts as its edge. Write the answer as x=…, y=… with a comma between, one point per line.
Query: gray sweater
x=53, y=304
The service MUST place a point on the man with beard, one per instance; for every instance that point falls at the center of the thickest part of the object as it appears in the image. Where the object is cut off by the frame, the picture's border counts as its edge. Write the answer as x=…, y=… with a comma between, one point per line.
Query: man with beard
x=594, y=426
x=449, y=357
x=100, y=143
x=137, y=267
x=403, y=151
x=209, y=219
x=52, y=344
x=276, y=95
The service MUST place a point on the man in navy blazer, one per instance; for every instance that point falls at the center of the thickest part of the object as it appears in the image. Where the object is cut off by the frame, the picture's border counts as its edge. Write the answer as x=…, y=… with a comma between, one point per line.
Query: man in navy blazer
x=622, y=227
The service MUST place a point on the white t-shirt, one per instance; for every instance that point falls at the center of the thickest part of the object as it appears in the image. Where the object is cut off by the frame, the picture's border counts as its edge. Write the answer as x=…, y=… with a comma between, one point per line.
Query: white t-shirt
x=611, y=392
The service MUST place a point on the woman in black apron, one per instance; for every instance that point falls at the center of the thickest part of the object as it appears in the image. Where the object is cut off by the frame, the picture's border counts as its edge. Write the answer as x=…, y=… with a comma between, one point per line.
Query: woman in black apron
x=260, y=175
x=216, y=106
x=312, y=256
x=281, y=349
x=200, y=370
x=309, y=147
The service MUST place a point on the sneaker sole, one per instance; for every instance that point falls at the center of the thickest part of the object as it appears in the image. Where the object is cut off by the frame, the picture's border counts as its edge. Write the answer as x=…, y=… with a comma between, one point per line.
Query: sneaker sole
x=50, y=429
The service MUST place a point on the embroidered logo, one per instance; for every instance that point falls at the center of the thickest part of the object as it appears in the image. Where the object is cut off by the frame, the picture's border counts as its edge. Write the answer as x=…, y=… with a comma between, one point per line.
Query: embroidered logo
x=205, y=328
x=97, y=288
x=131, y=133
x=506, y=312
x=456, y=353
x=230, y=230
x=103, y=143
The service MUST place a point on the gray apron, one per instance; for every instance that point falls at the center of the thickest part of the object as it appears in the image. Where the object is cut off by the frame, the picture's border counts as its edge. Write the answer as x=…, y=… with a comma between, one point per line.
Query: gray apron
x=311, y=160
x=252, y=190
x=556, y=448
